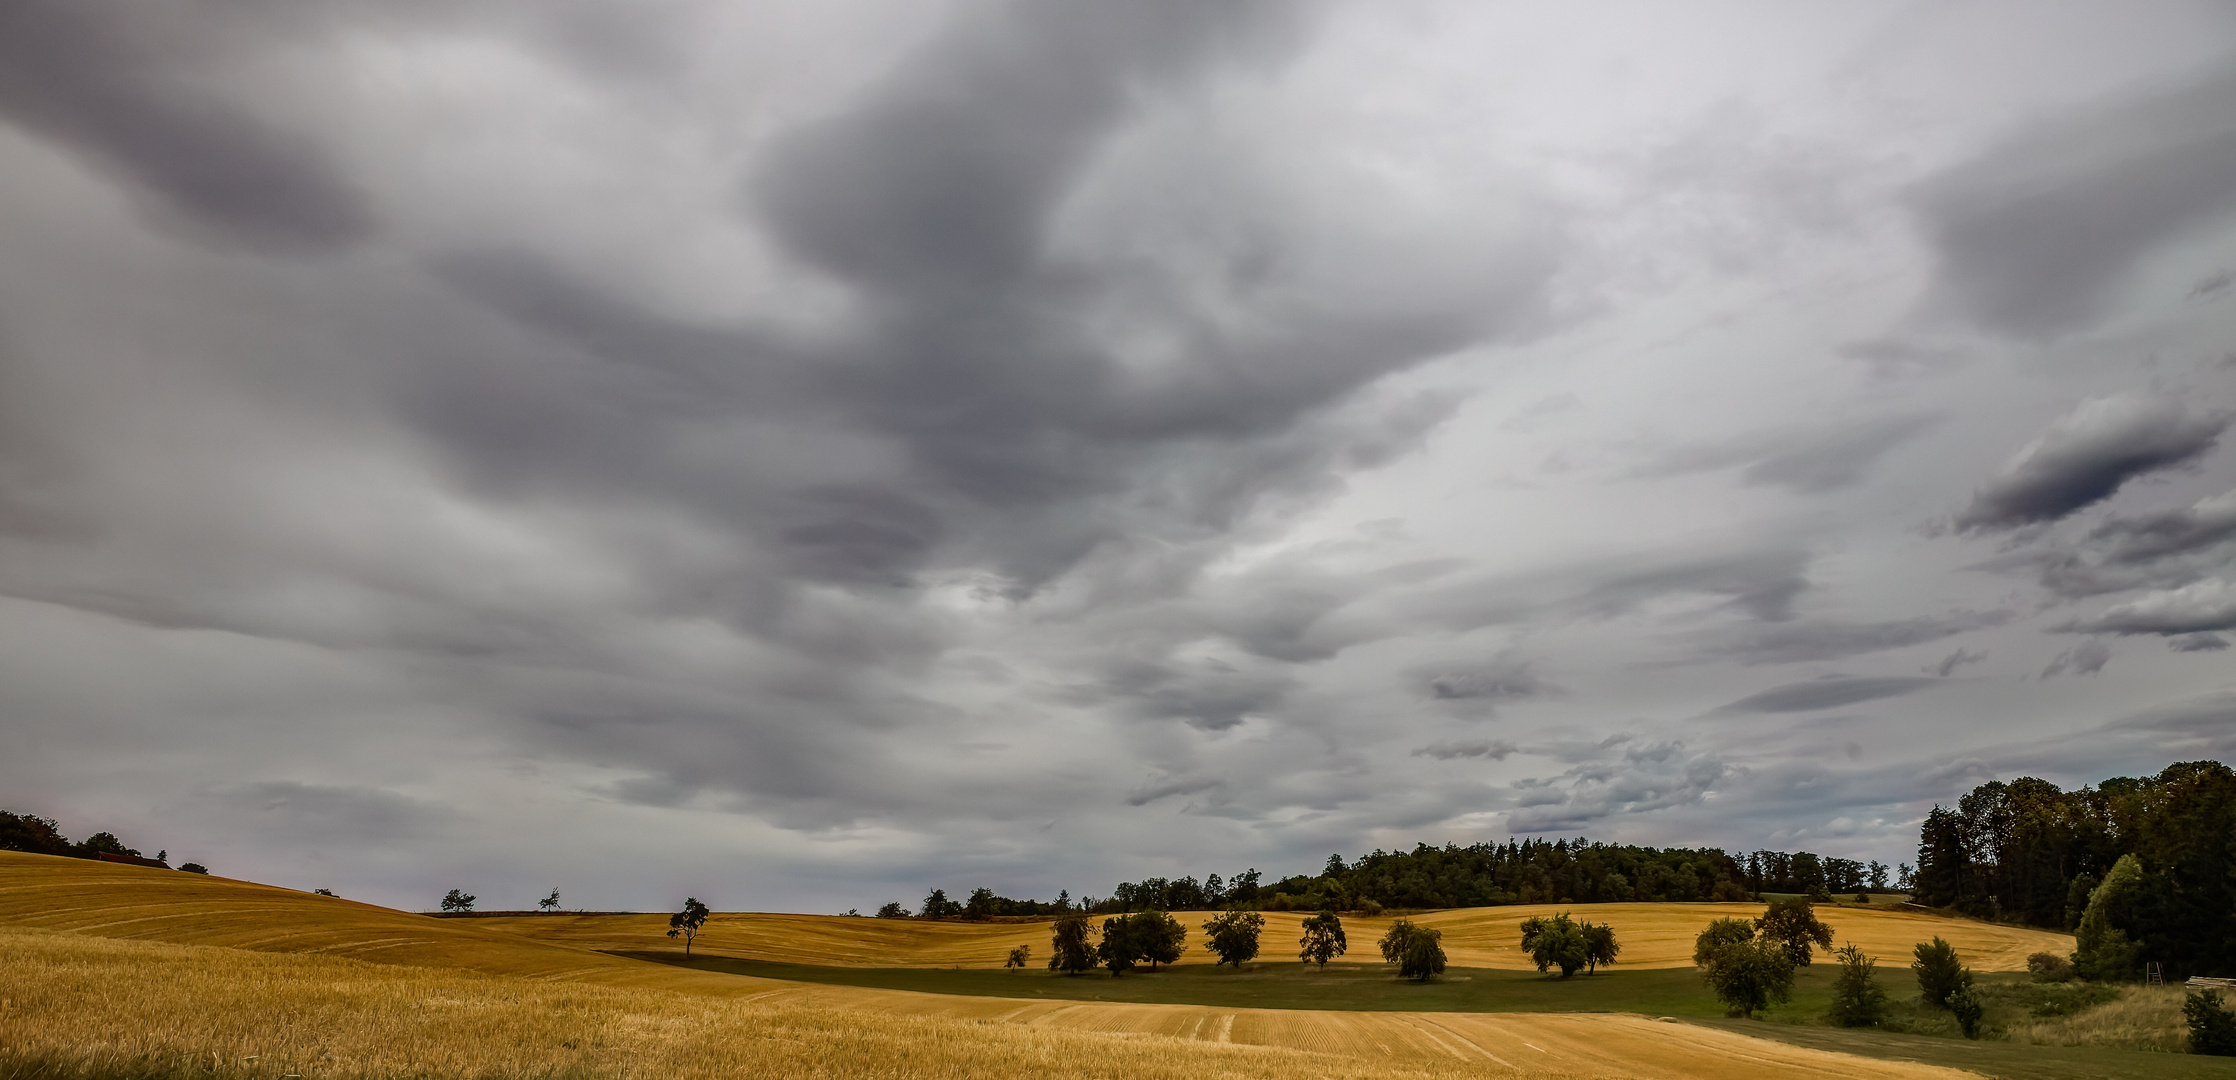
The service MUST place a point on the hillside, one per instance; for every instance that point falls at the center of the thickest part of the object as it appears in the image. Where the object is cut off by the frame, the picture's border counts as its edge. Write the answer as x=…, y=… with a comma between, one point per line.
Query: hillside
x=1653, y=935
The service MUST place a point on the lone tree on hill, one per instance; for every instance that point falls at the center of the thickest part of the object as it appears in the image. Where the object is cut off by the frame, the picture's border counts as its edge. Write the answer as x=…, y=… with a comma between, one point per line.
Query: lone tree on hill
x=686, y=923
x=1941, y=973
x=1793, y=925
x=1233, y=936
x=550, y=903
x=1556, y=942
x=1857, y=998
x=458, y=901
x=1069, y=950
x=1747, y=973
x=1159, y=937
x=1418, y=951
x=892, y=910
x=1019, y=957
x=1323, y=939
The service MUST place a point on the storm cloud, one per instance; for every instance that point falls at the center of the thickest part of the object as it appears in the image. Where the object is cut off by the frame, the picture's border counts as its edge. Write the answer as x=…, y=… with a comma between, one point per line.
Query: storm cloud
x=2087, y=455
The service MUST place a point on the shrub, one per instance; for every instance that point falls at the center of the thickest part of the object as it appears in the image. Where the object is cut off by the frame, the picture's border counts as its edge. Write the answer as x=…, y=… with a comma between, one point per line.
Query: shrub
x=1965, y=1003
x=196, y=868
x=892, y=910
x=1857, y=999
x=2212, y=1028
x=2049, y=967
x=1940, y=971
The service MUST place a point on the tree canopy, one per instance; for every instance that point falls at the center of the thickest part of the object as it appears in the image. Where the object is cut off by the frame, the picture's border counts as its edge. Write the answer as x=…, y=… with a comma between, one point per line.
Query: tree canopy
x=1418, y=951
x=1323, y=939
x=1233, y=936
x=687, y=923
x=1793, y=925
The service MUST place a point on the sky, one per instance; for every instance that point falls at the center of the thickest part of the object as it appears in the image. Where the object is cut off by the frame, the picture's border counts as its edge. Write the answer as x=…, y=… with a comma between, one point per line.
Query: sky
x=801, y=454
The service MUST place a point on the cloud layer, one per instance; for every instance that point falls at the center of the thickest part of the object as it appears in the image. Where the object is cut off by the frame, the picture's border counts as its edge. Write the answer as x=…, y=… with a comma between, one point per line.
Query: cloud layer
x=799, y=454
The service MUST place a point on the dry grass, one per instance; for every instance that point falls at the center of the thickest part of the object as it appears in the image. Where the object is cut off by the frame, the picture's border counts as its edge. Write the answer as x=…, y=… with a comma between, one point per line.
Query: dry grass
x=2142, y=1018
x=102, y=966
x=71, y=998
x=1653, y=935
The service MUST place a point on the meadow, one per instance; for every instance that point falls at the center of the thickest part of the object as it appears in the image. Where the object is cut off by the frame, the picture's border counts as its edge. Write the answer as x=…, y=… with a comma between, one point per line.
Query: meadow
x=122, y=972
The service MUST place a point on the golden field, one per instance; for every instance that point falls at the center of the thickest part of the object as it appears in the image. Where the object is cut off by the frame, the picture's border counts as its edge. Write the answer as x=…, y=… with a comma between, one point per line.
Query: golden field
x=104, y=959
x=1653, y=935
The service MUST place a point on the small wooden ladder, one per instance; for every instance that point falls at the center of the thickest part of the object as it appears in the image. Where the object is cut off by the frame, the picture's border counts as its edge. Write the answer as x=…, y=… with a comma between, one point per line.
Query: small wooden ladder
x=2152, y=976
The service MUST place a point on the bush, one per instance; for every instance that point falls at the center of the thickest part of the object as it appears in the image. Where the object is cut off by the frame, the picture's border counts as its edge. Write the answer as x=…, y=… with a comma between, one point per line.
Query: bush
x=1966, y=1004
x=1941, y=973
x=2049, y=967
x=2212, y=1028
x=1857, y=999
x=893, y=910
x=197, y=868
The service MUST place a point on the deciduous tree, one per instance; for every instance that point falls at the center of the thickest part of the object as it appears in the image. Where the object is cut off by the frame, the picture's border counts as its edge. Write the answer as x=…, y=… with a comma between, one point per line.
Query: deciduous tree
x=1323, y=939
x=1233, y=936
x=1418, y=951
x=456, y=900
x=1069, y=950
x=1019, y=957
x=1793, y=925
x=1158, y=937
x=1118, y=950
x=1555, y=942
x=687, y=923
x=1600, y=946
x=549, y=903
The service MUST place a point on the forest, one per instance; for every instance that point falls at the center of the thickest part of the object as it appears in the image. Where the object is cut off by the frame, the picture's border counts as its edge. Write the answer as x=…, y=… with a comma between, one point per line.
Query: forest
x=2142, y=869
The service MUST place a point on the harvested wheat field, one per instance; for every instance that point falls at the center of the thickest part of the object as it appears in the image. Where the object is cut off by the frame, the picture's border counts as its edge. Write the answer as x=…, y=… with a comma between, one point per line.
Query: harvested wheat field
x=1653, y=935
x=106, y=959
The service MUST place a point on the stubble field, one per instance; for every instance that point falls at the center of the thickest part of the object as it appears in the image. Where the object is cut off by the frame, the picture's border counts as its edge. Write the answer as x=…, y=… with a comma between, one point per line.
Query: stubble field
x=105, y=963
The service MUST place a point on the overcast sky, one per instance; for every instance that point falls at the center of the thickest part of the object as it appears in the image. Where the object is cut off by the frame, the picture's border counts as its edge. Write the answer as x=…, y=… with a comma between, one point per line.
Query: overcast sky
x=797, y=454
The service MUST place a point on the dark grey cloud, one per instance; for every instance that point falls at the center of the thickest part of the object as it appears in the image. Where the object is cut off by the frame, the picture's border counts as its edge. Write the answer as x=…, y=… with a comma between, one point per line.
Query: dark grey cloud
x=2197, y=643
x=1494, y=749
x=95, y=78
x=1643, y=778
x=1801, y=640
x=1827, y=692
x=1492, y=683
x=1818, y=458
x=1957, y=659
x=1761, y=583
x=330, y=814
x=2087, y=455
x=2196, y=608
x=2035, y=233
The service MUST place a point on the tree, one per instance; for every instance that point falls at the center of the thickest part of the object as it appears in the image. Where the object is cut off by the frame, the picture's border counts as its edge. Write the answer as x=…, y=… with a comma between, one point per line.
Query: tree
x=104, y=843
x=1966, y=1004
x=938, y=906
x=549, y=903
x=980, y=906
x=458, y=901
x=1069, y=950
x=314, y=892
x=1118, y=950
x=892, y=910
x=2212, y=1028
x=2102, y=948
x=1857, y=998
x=1793, y=925
x=686, y=923
x=1556, y=942
x=1418, y=951
x=1233, y=936
x=1747, y=973
x=1600, y=946
x=29, y=832
x=1941, y=973
x=1019, y=957
x=1323, y=939
x=1158, y=937
x=198, y=868
x=1720, y=933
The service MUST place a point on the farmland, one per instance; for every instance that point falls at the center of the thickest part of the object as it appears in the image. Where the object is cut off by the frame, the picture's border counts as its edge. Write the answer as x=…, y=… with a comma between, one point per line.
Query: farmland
x=107, y=963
